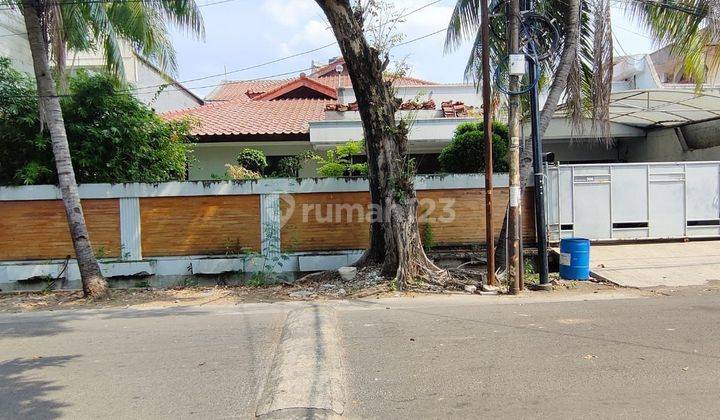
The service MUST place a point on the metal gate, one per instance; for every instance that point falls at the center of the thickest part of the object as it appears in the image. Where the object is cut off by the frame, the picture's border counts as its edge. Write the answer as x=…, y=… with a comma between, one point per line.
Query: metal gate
x=626, y=201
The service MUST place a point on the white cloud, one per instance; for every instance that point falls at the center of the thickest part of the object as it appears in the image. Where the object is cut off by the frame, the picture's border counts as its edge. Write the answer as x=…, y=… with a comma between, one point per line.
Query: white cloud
x=313, y=34
x=292, y=13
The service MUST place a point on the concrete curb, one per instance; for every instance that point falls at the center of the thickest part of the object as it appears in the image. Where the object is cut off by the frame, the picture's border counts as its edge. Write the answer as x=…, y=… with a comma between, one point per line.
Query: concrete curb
x=306, y=378
x=599, y=277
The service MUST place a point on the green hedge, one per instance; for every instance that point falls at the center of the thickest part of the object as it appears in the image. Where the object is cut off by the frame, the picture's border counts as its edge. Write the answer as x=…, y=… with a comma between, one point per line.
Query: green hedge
x=466, y=151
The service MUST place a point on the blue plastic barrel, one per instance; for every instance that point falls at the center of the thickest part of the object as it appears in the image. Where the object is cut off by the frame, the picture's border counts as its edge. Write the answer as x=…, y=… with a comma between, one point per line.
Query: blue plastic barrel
x=575, y=259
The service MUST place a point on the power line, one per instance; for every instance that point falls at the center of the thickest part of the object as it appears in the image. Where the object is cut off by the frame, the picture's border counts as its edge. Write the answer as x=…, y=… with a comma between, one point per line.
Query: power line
x=173, y=86
x=419, y=38
x=626, y=57
x=62, y=3
x=277, y=60
x=632, y=32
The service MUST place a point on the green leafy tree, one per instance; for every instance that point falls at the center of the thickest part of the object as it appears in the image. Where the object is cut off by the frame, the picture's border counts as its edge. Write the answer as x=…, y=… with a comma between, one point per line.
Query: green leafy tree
x=338, y=162
x=112, y=136
x=116, y=138
x=23, y=146
x=253, y=160
x=290, y=166
x=466, y=151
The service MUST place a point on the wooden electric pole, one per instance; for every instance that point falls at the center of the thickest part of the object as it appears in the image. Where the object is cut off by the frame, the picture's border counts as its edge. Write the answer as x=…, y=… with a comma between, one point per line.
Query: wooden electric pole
x=513, y=44
x=487, y=123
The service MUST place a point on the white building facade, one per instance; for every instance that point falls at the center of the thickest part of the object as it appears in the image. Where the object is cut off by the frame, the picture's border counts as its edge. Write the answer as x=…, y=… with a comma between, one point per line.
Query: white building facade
x=151, y=85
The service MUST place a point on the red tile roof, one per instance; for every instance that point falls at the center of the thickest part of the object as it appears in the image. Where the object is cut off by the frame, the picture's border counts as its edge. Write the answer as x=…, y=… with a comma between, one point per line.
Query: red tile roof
x=241, y=117
x=256, y=107
x=246, y=89
x=302, y=81
x=239, y=89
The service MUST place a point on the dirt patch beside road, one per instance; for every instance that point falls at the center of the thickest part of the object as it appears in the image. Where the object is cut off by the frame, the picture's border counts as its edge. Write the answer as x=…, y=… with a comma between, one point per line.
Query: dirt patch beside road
x=233, y=295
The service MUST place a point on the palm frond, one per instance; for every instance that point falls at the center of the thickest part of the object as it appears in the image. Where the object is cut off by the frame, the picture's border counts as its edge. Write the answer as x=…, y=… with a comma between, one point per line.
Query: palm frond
x=687, y=27
x=184, y=14
x=473, y=67
x=464, y=23
x=602, y=67
x=105, y=26
x=144, y=28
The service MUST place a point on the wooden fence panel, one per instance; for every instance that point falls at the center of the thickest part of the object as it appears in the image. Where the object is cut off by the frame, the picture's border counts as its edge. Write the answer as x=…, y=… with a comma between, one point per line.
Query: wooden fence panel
x=326, y=222
x=332, y=221
x=38, y=229
x=468, y=208
x=199, y=225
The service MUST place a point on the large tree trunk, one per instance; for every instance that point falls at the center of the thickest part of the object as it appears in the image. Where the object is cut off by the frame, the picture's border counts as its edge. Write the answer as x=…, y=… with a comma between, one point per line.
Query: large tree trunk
x=560, y=80
x=394, y=235
x=94, y=285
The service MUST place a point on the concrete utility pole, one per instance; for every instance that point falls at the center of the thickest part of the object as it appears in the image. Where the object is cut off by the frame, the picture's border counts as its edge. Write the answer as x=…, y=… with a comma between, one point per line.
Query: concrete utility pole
x=514, y=257
x=487, y=123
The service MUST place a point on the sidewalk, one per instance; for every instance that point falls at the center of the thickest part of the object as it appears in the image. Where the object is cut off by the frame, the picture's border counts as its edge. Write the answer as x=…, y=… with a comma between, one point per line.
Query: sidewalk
x=671, y=264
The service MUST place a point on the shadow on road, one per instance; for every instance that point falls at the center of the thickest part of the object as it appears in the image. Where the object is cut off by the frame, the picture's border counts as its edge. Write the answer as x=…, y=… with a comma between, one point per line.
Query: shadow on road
x=22, y=395
x=42, y=324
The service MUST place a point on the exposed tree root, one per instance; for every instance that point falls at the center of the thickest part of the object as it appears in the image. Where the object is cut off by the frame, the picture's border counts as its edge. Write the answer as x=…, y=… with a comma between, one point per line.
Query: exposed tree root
x=312, y=277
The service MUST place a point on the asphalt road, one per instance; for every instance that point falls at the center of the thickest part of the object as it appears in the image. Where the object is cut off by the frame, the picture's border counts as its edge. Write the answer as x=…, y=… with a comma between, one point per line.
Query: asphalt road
x=427, y=357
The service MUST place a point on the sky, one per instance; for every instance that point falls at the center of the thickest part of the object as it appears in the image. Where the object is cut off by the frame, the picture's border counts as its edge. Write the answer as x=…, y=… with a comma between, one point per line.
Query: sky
x=244, y=33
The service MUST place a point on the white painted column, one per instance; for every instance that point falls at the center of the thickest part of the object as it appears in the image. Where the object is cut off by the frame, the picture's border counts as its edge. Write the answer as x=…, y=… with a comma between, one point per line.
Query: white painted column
x=270, y=223
x=130, y=235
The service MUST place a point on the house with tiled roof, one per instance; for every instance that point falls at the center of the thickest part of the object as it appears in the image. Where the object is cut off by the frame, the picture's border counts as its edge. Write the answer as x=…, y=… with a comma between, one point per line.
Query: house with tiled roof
x=656, y=114
x=315, y=111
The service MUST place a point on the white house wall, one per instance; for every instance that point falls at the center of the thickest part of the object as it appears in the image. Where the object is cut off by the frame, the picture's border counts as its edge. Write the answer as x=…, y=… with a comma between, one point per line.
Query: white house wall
x=663, y=145
x=137, y=72
x=210, y=158
x=438, y=93
x=171, y=98
x=95, y=60
x=146, y=81
x=581, y=151
x=426, y=135
x=15, y=47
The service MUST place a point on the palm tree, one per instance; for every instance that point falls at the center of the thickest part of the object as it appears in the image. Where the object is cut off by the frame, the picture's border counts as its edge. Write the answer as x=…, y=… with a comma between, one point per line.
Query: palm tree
x=576, y=71
x=81, y=25
x=689, y=27
x=581, y=72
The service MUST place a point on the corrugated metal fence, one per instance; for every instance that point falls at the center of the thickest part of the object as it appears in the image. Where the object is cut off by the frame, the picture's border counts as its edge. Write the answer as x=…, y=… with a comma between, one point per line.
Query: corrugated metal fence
x=629, y=201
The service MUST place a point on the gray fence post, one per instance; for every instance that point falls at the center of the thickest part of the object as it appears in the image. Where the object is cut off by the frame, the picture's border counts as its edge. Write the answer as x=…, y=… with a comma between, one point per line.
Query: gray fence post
x=130, y=235
x=270, y=224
